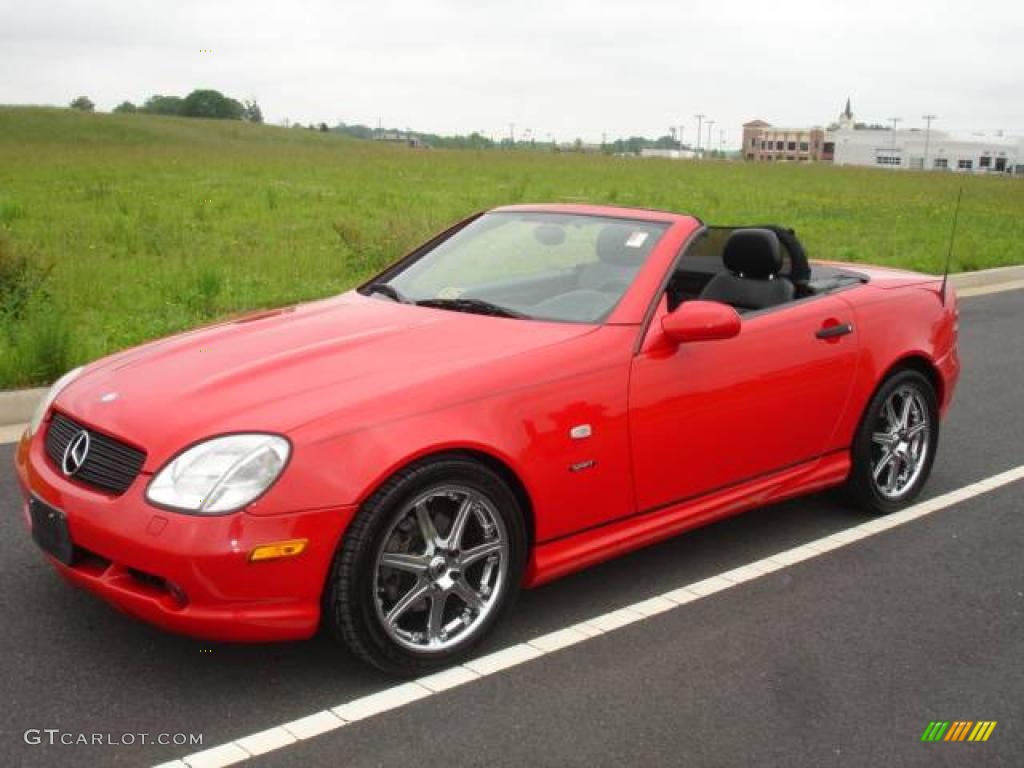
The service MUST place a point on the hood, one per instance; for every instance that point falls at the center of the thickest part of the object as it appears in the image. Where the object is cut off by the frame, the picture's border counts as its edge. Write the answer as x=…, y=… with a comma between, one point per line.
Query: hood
x=276, y=370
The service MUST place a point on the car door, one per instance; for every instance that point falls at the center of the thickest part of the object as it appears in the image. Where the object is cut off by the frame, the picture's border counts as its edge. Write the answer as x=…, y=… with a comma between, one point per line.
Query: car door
x=705, y=415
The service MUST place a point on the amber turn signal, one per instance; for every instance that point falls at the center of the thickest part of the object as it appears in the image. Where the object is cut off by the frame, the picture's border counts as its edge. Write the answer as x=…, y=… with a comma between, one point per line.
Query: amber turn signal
x=278, y=549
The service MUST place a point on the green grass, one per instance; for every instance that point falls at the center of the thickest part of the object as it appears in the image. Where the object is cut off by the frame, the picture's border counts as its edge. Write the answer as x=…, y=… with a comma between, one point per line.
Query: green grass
x=128, y=227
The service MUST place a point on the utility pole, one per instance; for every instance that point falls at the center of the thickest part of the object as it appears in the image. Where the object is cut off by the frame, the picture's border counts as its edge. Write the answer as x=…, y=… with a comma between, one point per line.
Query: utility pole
x=682, y=132
x=699, y=118
x=927, y=137
x=894, y=121
x=708, y=146
x=721, y=140
x=512, y=135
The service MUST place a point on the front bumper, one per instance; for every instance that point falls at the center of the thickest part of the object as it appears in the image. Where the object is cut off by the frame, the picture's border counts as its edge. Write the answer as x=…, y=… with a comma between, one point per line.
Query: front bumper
x=185, y=573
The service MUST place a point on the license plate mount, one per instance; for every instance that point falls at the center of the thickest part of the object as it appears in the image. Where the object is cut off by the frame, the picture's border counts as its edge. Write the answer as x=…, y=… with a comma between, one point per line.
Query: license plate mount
x=50, y=531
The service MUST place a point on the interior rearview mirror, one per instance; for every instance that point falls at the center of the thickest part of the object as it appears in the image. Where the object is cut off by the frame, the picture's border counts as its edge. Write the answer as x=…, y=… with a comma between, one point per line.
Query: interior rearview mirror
x=701, y=321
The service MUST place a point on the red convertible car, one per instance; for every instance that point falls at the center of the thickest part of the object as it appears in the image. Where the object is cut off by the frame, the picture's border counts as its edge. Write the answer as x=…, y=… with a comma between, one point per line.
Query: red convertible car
x=532, y=391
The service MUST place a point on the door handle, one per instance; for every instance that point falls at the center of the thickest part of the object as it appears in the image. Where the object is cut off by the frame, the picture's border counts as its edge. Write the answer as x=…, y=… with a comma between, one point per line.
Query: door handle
x=833, y=331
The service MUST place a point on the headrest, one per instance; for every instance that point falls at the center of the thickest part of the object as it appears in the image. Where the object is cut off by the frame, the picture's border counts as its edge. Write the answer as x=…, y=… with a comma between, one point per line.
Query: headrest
x=753, y=253
x=549, y=234
x=624, y=245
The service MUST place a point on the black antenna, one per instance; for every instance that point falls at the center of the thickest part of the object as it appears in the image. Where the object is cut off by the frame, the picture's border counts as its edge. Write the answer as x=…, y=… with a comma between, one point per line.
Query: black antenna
x=952, y=238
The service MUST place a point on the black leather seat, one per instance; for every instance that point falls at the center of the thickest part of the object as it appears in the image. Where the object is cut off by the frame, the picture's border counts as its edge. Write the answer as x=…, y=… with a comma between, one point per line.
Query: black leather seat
x=753, y=258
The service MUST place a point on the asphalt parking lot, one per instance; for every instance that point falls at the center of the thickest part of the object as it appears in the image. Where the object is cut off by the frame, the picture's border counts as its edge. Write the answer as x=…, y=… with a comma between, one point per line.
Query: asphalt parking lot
x=839, y=660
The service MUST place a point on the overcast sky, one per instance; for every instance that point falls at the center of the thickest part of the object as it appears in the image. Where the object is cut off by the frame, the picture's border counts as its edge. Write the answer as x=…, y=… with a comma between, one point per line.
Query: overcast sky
x=565, y=68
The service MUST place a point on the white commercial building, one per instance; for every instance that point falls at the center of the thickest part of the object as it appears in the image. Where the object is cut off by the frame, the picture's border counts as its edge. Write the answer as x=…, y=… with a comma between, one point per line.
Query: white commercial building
x=920, y=149
x=668, y=154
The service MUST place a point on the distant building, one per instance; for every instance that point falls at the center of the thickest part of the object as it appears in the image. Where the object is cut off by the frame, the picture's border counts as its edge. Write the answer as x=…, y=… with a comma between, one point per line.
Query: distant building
x=772, y=143
x=670, y=154
x=401, y=137
x=923, y=150
x=847, y=142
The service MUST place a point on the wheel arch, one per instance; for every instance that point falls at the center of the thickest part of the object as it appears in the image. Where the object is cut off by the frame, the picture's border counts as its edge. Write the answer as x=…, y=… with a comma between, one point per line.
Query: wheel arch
x=485, y=458
x=515, y=483
x=916, y=361
x=870, y=384
x=860, y=486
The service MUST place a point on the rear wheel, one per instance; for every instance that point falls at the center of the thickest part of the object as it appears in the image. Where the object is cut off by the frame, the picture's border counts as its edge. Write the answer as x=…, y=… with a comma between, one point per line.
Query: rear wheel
x=895, y=443
x=428, y=567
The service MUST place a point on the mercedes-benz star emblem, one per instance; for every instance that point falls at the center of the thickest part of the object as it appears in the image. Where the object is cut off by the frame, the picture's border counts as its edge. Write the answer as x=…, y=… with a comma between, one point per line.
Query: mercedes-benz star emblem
x=75, y=454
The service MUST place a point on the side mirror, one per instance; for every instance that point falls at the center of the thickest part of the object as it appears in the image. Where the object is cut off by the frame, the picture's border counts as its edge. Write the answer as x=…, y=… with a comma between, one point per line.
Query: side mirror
x=701, y=321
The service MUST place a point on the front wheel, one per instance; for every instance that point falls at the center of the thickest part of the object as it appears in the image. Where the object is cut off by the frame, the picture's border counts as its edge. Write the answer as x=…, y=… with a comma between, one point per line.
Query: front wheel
x=428, y=566
x=895, y=443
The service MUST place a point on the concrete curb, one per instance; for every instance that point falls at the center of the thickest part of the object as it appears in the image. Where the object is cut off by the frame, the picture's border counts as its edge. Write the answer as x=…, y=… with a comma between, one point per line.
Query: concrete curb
x=987, y=277
x=17, y=405
x=11, y=433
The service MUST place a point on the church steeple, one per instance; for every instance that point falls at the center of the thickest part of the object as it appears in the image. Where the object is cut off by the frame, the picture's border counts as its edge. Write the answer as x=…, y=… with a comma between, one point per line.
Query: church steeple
x=846, y=117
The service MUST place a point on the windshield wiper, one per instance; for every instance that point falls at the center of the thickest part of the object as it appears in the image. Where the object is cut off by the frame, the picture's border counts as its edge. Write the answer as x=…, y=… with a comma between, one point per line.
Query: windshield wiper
x=388, y=290
x=477, y=306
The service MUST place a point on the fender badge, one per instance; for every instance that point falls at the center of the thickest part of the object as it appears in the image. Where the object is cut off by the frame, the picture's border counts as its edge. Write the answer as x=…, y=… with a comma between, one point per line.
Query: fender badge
x=588, y=464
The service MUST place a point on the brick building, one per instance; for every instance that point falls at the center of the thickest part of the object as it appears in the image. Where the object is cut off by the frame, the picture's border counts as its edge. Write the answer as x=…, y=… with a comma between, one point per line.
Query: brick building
x=771, y=143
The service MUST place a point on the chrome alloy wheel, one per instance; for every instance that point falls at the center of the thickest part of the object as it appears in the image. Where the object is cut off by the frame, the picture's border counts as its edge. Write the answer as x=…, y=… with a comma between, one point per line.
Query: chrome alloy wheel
x=900, y=443
x=441, y=569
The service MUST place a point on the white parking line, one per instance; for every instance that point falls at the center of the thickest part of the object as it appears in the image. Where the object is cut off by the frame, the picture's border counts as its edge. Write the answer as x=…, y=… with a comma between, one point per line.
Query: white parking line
x=398, y=696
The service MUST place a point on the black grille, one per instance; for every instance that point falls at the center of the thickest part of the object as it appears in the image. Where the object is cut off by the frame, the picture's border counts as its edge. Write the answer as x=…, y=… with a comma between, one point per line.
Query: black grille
x=110, y=464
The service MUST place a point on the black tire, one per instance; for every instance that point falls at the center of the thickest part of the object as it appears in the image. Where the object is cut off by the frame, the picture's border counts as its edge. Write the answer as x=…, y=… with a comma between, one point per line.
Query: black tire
x=861, y=486
x=350, y=607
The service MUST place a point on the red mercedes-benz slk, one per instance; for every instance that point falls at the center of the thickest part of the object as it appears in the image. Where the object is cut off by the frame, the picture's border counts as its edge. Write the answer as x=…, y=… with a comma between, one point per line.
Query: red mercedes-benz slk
x=535, y=390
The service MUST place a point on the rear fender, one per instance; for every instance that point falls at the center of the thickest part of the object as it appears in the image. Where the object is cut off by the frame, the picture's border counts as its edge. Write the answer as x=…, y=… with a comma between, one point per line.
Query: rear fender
x=900, y=327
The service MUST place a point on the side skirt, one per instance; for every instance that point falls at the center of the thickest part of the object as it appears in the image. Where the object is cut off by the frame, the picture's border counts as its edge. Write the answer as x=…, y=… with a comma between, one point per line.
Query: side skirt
x=558, y=558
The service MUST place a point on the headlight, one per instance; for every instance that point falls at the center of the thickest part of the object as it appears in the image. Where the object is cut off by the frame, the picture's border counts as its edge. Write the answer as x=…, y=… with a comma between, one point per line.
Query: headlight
x=220, y=475
x=46, y=402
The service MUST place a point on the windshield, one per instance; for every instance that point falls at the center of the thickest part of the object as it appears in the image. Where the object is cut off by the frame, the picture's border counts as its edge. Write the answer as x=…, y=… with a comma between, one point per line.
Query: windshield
x=545, y=266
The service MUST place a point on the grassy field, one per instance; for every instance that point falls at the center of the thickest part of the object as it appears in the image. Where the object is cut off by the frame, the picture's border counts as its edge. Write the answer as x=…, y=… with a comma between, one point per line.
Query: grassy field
x=119, y=228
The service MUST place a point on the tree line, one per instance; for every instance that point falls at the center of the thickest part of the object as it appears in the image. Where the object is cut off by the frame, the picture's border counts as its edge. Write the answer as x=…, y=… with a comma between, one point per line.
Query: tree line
x=214, y=104
x=477, y=140
x=202, y=102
